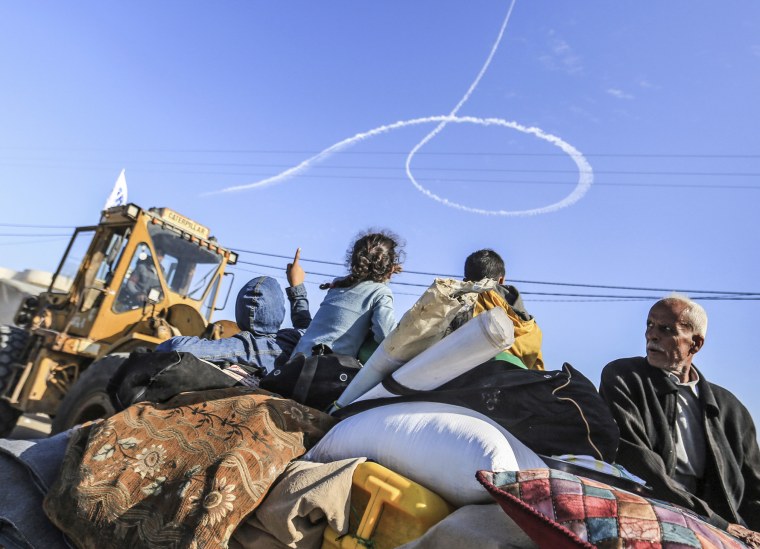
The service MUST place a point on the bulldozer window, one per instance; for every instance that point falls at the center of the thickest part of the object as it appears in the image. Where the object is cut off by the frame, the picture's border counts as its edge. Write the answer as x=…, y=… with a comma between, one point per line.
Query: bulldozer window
x=98, y=274
x=189, y=269
x=208, y=305
x=69, y=266
x=109, y=258
x=141, y=277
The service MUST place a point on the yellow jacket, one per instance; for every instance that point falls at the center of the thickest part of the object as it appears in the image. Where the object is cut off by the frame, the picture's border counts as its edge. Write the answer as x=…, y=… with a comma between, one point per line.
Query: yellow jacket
x=528, y=336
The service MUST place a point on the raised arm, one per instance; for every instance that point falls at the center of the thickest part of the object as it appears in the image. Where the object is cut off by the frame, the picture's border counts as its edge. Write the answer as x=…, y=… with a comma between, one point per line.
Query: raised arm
x=300, y=316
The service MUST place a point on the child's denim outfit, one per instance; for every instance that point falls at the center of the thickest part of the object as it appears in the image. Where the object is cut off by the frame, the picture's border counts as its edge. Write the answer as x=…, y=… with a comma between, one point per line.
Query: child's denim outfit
x=347, y=316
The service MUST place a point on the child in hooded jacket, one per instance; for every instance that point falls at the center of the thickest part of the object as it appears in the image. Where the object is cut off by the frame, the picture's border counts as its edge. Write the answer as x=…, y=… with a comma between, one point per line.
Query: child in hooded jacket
x=261, y=345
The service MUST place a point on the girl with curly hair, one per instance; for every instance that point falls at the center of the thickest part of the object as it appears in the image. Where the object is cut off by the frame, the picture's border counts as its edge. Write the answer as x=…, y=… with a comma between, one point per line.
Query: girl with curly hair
x=358, y=306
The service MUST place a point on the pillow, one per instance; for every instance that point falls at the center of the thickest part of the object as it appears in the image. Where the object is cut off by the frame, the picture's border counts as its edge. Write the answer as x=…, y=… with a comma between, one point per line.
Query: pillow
x=561, y=510
x=439, y=446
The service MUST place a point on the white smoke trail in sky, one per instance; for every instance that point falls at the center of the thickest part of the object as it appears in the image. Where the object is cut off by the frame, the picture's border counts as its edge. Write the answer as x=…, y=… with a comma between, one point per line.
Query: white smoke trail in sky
x=585, y=172
x=454, y=111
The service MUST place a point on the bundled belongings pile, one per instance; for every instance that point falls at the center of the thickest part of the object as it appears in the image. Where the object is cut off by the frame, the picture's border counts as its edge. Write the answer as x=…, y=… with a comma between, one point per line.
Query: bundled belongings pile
x=182, y=473
x=436, y=424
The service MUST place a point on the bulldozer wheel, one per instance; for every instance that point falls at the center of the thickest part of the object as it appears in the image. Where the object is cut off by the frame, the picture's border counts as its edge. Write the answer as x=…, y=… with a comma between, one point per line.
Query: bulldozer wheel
x=87, y=399
x=12, y=343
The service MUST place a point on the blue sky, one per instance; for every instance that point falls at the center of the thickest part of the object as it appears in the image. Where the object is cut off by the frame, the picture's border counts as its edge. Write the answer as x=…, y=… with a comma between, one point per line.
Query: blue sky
x=191, y=98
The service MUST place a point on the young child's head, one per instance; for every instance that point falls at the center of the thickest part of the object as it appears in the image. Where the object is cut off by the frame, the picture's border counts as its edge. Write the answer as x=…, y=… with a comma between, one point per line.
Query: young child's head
x=484, y=264
x=374, y=255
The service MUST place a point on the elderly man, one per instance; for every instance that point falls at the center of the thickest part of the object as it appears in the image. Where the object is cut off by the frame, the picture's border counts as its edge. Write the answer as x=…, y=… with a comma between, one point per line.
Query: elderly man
x=692, y=440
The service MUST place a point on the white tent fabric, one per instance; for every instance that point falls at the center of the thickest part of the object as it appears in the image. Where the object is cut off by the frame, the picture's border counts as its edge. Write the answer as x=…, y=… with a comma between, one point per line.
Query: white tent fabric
x=15, y=287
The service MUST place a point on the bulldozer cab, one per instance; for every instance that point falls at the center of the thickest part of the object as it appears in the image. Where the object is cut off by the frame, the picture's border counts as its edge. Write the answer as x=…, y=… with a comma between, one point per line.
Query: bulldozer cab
x=134, y=266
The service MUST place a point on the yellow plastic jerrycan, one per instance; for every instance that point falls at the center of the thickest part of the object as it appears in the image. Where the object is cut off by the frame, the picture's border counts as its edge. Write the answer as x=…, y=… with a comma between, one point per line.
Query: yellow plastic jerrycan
x=387, y=510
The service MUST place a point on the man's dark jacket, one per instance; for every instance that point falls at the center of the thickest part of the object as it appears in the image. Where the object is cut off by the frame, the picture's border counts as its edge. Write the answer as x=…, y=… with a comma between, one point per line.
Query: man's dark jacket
x=643, y=400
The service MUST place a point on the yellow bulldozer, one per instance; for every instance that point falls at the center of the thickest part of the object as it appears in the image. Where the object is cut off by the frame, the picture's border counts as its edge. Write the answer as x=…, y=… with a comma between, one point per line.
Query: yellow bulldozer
x=135, y=279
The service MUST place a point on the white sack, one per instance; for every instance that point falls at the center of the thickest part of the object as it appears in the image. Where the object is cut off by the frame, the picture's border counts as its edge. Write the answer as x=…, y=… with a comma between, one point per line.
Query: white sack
x=440, y=446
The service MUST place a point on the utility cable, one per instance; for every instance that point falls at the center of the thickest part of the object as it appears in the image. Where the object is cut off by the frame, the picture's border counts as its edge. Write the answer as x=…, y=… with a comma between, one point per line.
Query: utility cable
x=333, y=177
x=330, y=275
x=35, y=234
x=235, y=267
x=557, y=294
x=519, y=281
x=27, y=242
x=396, y=153
x=711, y=294
x=30, y=226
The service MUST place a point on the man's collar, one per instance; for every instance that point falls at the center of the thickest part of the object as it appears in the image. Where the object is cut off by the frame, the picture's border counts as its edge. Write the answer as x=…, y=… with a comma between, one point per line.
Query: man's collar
x=666, y=383
x=691, y=385
x=693, y=378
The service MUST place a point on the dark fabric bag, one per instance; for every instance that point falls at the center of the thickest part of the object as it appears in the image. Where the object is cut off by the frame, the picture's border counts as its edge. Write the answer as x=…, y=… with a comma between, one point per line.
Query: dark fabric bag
x=316, y=381
x=157, y=377
x=552, y=412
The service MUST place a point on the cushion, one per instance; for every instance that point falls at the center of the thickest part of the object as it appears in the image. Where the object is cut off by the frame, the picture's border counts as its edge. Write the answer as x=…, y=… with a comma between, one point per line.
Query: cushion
x=439, y=446
x=180, y=474
x=559, y=510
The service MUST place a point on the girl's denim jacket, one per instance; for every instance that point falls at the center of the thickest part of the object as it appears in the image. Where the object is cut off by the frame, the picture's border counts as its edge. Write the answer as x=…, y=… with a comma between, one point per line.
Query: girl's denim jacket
x=348, y=316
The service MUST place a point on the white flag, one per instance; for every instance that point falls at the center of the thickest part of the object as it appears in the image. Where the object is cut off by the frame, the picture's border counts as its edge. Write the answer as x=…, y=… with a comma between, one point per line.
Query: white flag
x=118, y=195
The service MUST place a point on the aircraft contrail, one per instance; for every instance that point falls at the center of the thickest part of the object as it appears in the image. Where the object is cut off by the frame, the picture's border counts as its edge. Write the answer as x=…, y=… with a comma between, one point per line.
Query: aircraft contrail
x=585, y=172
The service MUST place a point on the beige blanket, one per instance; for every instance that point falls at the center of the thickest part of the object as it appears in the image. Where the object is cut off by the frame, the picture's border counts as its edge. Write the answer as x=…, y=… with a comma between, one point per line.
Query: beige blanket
x=307, y=497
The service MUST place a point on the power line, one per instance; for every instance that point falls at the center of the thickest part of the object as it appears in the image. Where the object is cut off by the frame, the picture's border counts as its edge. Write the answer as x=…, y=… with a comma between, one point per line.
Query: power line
x=361, y=177
x=27, y=242
x=557, y=294
x=649, y=297
x=590, y=299
x=620, y=300
x=710, y=294
x=495, y=181
x=29, y=226
x=305, y=281
x=437, y=169
x=631, y=299
x=371, y=153
x=329, y=274
x=238, y=268
x=267, y=254
x=35, y=234
x=519, y=281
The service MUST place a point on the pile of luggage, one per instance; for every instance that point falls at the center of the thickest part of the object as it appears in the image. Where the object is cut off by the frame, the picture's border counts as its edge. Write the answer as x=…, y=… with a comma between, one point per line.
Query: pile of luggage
x=326, y=452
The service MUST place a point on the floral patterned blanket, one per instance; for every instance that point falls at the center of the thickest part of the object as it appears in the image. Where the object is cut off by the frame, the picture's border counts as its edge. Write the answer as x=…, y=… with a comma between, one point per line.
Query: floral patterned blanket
x=180, y=474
